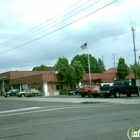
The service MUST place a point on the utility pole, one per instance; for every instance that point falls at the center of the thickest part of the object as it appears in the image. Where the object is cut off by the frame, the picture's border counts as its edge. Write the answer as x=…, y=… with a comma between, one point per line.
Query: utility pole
x=103, y=58
x=114, y=60
x=133, y=33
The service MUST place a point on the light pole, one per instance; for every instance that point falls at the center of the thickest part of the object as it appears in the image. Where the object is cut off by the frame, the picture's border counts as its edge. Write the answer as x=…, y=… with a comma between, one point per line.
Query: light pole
x=133, y=33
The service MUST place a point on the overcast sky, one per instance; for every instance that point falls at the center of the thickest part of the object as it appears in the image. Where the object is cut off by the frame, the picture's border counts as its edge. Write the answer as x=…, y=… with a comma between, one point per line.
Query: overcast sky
x=35, y=32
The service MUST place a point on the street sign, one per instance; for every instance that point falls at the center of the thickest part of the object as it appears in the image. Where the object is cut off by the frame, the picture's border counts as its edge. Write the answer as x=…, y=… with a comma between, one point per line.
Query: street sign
x=138, y=84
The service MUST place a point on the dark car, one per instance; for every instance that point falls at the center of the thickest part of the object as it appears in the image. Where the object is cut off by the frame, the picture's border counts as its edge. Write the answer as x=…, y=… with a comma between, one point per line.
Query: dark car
x=11, y=92
x=123, y=87
x=73, y=92
x=104, y=91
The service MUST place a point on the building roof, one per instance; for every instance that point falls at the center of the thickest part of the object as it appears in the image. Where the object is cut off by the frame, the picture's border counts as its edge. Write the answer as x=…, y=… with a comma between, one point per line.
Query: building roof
x=21, y=77
x=111, y=70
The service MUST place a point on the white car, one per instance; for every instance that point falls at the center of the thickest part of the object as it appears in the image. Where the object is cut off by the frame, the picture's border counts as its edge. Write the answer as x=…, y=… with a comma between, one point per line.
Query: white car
x=27, y=92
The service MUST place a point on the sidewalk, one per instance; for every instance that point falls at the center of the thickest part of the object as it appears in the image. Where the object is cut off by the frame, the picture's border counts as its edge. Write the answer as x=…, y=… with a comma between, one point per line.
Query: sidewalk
x=132, y=100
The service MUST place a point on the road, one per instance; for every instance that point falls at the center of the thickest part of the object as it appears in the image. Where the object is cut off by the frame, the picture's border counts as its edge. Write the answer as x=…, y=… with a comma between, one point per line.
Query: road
x=23, y=119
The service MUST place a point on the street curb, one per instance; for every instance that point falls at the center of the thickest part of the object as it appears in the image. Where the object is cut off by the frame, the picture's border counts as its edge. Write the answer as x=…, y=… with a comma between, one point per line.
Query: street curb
x=78, y=100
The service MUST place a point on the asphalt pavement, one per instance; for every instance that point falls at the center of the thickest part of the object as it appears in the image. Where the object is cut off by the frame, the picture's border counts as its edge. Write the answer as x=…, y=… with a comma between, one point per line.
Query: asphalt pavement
x=68, y=118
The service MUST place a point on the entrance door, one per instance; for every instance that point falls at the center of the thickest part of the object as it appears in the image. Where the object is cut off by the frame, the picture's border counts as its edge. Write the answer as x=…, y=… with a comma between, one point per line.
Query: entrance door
x=51, y=90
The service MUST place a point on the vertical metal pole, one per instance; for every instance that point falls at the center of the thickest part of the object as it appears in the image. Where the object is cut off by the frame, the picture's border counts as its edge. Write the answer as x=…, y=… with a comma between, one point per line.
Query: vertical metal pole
x=102, y=58
x=134, y=43
x=89, y=67
x=114, y=60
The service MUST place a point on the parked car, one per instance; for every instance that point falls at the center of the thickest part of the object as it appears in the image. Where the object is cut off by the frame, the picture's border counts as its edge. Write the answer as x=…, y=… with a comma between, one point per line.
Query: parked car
x=27, y=92
x=100, y=91
x=85, y=90
x=73, y=92
x=123, y=87
x=95, y=91
x=103, y=84
x=104, y=90
x=35, y=91
x=11, y=92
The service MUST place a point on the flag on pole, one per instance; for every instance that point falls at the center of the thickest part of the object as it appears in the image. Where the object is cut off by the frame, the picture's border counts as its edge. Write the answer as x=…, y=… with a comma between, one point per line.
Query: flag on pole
x=84, y=46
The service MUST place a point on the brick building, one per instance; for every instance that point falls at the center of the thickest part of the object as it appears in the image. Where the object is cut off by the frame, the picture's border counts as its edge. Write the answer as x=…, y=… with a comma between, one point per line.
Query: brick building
x=47, y=81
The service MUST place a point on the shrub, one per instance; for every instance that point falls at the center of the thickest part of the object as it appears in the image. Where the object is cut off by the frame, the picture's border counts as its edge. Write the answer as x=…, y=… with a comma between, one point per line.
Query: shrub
x=63, y=92
x=31, y=95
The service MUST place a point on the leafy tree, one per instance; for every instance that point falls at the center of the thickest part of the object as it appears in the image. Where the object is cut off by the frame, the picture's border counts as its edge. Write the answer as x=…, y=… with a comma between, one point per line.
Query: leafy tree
x=136, y=69
x=84, y=61
x=122, y=69
x=43, y=68
x=66, y=72
x=79, y=70
x=101, y=67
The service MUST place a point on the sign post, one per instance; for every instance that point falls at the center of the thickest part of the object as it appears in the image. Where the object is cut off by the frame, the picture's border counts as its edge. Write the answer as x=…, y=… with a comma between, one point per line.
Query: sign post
x=138, y=84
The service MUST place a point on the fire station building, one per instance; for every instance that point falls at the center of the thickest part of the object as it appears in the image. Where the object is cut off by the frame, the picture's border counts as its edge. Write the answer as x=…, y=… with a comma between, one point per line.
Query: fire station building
x=47, y=81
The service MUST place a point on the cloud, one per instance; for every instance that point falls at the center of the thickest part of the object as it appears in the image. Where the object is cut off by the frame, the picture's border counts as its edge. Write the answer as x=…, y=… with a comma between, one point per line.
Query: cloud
x=107, y=31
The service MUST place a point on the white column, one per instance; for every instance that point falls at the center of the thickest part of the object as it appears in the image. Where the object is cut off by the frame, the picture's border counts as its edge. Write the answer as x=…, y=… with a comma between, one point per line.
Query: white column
x=45, y=88
x=11, y=87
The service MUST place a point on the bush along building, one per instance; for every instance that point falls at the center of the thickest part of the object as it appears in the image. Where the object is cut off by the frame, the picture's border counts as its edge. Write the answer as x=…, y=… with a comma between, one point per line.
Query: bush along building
x=47, y=81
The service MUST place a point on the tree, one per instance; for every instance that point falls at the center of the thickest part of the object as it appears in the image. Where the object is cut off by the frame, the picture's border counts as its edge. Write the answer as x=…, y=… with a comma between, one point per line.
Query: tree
x=43, y=68
x=122, y=69
x=79, y=71
x=66, y=72
x=101, y=67
x=136, y=69
x=84, y=61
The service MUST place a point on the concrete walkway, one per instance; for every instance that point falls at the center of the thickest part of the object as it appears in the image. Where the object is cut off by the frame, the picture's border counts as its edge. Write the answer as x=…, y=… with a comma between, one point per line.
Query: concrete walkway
x=132, y=100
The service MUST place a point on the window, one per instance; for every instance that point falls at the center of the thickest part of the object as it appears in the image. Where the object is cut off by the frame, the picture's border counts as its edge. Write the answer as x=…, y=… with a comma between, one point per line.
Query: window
x=126, y=83
x=118, y=83
x=88, y=86
x=81, y=86
x=72, y=86
x=59, y=87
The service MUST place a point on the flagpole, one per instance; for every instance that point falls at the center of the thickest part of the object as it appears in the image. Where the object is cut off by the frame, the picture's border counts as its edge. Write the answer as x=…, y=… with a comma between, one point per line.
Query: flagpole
x=89, y=66
x=84, y=46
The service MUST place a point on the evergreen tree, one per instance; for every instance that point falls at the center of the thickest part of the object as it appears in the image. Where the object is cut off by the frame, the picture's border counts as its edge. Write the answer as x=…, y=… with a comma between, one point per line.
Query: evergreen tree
x=101, y=67
x=136, y=69
x=122, y=69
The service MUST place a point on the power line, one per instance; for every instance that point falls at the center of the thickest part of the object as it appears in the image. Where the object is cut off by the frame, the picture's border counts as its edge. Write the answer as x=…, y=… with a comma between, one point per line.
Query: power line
x=40, y=24
x=60, y=27
x=26, y=37
x=110, y=40
x=103, y=56
x=18, y=60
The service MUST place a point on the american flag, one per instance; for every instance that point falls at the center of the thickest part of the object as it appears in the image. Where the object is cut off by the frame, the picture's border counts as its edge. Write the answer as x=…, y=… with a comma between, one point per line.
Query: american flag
x=84, y=46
